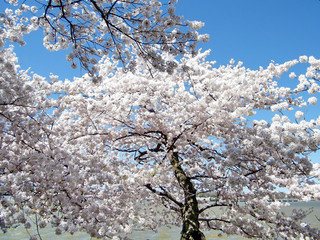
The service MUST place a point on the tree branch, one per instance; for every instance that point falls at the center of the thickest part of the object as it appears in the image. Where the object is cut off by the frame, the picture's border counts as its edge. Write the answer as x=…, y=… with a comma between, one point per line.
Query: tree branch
x=164, y=194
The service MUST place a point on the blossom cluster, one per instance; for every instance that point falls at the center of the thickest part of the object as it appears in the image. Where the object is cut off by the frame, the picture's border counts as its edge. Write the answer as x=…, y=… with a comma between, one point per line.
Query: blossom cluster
x=86, y=160
x=82, y=155
x=92, y=29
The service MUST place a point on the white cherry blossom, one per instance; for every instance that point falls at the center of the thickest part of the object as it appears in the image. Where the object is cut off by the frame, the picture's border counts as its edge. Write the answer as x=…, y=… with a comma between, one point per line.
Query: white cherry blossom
x=143, y=148
x=86, y=160
x=115, y=27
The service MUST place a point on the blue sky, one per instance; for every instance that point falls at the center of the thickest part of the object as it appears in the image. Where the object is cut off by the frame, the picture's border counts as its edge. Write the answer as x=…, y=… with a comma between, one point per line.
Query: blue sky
x=256, y=31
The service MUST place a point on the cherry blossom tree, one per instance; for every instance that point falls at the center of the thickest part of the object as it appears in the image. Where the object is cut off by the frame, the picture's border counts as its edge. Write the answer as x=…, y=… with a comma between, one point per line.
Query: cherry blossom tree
x=135, y=151
x=139, y=149
x=94, y=28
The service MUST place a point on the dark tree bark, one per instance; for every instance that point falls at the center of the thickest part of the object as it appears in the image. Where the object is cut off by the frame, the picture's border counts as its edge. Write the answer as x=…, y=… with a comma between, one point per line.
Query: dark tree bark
x=190, y=211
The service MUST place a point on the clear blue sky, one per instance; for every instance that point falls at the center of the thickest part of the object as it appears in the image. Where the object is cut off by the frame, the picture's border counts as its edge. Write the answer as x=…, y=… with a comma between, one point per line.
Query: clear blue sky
x=256, y=31
x=252, y=31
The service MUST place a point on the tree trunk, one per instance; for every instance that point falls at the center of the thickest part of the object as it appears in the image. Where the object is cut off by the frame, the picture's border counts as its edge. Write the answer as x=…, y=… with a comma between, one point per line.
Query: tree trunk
x=190, y=210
